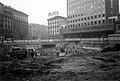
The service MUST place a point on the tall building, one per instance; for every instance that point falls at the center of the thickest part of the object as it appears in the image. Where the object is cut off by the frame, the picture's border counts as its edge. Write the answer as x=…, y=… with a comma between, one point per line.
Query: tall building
x=90, y=18
x=20, y=25
x=54, y=26
x=37, y=31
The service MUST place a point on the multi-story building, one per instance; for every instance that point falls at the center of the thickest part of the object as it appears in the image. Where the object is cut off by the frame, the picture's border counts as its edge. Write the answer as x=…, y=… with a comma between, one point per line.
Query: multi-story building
x=13, y=23
x=20, y=25
x=90, y=18
x=37, y=31
x=6, y=21
x=43, y=32
x=54, y=26
x=1, y=20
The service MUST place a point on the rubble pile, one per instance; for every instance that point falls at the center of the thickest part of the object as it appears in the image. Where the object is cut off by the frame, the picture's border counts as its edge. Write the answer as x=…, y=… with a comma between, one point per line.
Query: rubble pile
x=103, y=67
x=80, y=66
x=21, y=69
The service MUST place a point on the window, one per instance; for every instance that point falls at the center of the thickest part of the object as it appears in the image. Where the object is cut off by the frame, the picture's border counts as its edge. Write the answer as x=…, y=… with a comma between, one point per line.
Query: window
x=73, y=16
x=103, y=21
x=88, y=18
x=99, y=21
x=81, y=19
x=91, y=17
x=76, y=15
x=95, y=22
x=73, y=25
x=68, y=17
x=88, y=23
x=81, y=24
x=99, y=16
x=76, y=20
x=95, y=16
x=76, y=25
x=73, y=21
x=81, y=14
x=103, y=15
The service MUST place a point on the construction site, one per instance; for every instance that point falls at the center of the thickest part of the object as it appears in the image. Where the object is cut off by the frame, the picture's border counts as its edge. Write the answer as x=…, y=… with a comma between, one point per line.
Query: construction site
x=69, y=62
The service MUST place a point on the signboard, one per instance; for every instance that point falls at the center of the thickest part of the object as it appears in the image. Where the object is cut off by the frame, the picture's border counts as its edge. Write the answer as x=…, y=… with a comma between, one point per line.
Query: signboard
x=53, y=13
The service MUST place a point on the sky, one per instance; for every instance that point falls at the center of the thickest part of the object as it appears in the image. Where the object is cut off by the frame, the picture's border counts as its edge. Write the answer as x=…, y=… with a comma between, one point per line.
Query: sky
x=38, y=9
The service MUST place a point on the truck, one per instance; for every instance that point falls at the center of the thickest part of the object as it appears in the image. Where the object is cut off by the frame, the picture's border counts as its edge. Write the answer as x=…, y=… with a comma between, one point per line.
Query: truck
x=17, y=53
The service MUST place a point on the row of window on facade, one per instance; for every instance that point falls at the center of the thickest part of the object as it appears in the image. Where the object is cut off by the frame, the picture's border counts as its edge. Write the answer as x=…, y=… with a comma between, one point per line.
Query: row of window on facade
x=89, y=5
x=86, y=23
x=54, y=32
x=86, y=10
x=7, y=19
x=19, y=14
x=55, y=27
x=85, y=29
x=86, y=18
x=90, y=28
x=10, y=19
x=22, y=19
x=84, y=1
x=7, y=26
x=56, y=21
x=8, y=14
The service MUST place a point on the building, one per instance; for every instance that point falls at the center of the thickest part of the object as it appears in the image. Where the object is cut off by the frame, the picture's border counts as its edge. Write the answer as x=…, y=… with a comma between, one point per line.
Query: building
x=13, y=23
x=90, y=18
x=20, y=25
x=118, y=24
x=54, y=26
x=6, y=21
x=1, y=20
x=37, y=31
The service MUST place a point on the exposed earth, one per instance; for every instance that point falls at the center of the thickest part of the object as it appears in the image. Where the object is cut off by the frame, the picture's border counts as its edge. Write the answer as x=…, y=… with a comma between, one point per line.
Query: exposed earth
x=76, y=67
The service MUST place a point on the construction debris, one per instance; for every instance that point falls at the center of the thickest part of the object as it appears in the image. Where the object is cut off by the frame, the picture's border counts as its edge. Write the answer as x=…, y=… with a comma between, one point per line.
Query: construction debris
x=79, y=66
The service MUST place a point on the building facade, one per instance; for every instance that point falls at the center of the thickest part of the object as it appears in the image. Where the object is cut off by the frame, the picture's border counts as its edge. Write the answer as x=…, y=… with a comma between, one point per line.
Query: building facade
x=54, y=26
x=20, y=25
x=6, y=21
x=90, y=18
x=1, y=20
x=13, y=23
x=37, y=31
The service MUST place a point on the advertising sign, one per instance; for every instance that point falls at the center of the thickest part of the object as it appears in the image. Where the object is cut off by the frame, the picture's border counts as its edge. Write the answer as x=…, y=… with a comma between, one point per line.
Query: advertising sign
x=53, y=13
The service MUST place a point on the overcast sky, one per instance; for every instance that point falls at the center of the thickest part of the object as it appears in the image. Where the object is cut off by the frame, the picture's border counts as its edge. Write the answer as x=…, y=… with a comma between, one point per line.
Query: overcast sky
x=38, y=9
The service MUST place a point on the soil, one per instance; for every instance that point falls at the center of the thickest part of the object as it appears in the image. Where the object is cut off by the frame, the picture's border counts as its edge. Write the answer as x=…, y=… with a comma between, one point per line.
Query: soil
x=77, y=67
